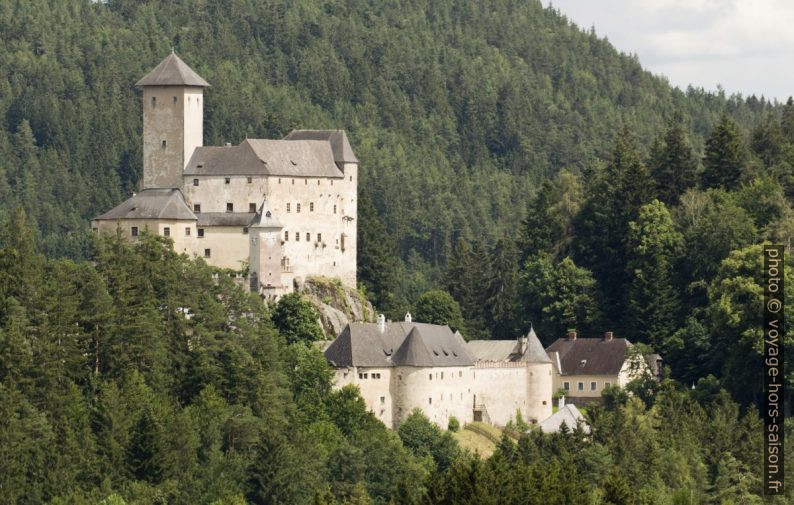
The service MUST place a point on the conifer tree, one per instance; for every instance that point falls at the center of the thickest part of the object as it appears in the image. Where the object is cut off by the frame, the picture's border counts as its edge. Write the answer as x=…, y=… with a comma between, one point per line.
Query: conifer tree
x=673, y=164
x=725, y=157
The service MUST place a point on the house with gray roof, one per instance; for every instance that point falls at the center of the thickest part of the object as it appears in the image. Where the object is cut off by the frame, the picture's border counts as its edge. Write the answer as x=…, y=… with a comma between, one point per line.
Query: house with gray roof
x=567, y=415
x=583, y=367
x=207, y=199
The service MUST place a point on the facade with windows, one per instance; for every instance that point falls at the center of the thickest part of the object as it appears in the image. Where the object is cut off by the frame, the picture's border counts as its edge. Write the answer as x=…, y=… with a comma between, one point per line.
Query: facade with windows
x=307, y=181
x=399, y=367
x=583, y=367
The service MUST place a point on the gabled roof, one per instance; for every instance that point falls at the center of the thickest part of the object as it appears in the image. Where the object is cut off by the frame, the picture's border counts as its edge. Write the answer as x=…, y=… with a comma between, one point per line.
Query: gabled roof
x=300, y=158
x=154, y=203
x=265, y=219
x=590, y=356
x=569, y=415
x=172, y=71
x=400, y=344
x=343, y=152
x=509, y=350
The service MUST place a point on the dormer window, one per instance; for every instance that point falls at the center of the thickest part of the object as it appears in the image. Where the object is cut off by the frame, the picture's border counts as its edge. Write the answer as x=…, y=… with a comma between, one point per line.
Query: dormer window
x=251, y=207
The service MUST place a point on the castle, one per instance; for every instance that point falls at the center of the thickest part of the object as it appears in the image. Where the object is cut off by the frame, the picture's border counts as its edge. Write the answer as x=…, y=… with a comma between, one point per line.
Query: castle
x=285, y=209
x=401, y=366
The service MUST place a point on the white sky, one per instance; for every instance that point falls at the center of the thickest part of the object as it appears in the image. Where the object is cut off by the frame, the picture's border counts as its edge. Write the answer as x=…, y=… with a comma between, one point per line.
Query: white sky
x=746, y=46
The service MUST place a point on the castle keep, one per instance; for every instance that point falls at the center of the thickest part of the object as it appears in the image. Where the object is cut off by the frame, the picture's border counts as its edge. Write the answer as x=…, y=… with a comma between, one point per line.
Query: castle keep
x=284, y=208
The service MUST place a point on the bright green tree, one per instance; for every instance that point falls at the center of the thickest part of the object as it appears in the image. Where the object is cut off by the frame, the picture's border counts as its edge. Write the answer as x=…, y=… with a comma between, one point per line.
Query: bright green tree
x=296, y=319
x=438, y=307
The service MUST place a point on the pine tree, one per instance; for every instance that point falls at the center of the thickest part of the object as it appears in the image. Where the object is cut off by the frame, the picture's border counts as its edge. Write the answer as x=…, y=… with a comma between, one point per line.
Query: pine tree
x=503, y=290
x=724, y=161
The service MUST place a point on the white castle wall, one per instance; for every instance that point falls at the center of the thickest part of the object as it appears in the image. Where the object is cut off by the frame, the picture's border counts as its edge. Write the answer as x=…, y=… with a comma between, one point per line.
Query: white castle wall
x=441, y=392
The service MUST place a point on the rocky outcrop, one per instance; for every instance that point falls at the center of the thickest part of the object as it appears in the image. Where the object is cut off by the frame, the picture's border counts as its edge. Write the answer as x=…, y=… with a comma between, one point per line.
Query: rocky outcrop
x=336, y=304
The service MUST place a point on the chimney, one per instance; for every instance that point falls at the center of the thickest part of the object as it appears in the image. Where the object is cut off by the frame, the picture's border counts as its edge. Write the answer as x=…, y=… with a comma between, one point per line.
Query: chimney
x=572, y=335
x=608, y=336
x=381, y=323
x=407, y=317
x=522, y=345
x=561, y=402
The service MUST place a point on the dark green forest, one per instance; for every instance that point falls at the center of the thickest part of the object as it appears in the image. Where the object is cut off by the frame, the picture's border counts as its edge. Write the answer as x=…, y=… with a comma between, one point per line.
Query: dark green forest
x=145, y=377
x=516, y=170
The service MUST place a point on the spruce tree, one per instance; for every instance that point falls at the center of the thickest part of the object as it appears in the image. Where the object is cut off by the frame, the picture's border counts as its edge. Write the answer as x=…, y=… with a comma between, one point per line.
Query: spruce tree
x=673, y=164
x=725, y=158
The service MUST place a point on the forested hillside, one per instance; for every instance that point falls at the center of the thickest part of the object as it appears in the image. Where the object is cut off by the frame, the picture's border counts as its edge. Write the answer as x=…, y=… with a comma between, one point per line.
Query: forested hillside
x=144, y=377
x=457, y=110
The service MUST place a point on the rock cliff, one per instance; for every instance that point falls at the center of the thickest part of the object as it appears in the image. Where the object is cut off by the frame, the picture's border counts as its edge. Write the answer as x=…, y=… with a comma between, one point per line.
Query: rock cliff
x=336, y=304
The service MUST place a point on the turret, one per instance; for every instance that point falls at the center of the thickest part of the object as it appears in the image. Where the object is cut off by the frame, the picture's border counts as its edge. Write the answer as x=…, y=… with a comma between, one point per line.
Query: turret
x=265, y=253
x=173, y=118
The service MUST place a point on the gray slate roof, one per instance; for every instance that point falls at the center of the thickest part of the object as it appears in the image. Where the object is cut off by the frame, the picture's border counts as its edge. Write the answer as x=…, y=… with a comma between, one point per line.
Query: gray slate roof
x=264, y=218
x=569, y=415
x=509, y=350
x=400, y=344
x=172, y=71
x=225, y=218
x=340, y=146
x=297, y=158
x=155, y=203
x=590, y=356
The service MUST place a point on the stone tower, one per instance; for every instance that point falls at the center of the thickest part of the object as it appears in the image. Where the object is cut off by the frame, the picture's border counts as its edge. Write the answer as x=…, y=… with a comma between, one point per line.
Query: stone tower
x=173, y=117
x=266, y=254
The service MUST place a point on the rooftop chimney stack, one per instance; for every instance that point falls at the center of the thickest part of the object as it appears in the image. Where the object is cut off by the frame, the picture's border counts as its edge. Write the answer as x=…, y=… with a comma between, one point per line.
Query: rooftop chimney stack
x=407, y=317
x=572, y=335
x=522, y=345
x=608, y=336
x=381, y=323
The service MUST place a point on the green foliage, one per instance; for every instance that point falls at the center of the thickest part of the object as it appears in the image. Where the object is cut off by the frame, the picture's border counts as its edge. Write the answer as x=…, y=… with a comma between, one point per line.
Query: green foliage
x=725, y=157
x=454, y=424
x=672, y=163
x=296, y=319
x=425, y=439
x=558, y=296
x=438, y=307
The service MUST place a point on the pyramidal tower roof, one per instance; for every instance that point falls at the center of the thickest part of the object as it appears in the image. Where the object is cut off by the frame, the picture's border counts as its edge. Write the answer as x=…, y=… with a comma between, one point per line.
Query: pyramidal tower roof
x=535, y=352
x=172, y=71
x=264, y=218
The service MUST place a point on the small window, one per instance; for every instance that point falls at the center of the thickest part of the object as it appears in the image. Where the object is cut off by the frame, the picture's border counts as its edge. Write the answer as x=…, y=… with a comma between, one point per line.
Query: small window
x=166, y=232
x=382, y=400
x=297, y=207
x=306, y=181
x=293, y=182
x=187, y=231
x=431, y=376
x=351, y=178
x=334, y=209
x=286, y=236
x=580, y=386
x=206, y=253
x=175, y=99
x=134, y=231
x=251, y=207
x=229, y=207
x=288, y=208
x=154, y=102
x=308, y=237
x=319, y=237
x=196, y=207
x=592, y=386
x=163, y=144
x=297, y=236
x=227, y=180
x=279, y=180
x=245, y=230
x=249, y=180
x=318, y=182
x=460, y=374
x=311, y=206
x=201, y=232
x=430, y=401
x=442, y=375
x=607, y=384
x=566, y=386
x=195, y=182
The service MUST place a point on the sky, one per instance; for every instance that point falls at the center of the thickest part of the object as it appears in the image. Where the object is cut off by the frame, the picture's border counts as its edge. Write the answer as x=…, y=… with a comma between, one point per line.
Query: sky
x=745, y=46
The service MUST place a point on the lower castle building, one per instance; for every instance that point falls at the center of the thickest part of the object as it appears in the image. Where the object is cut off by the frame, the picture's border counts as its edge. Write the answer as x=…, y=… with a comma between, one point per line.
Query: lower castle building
x=402, y=366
